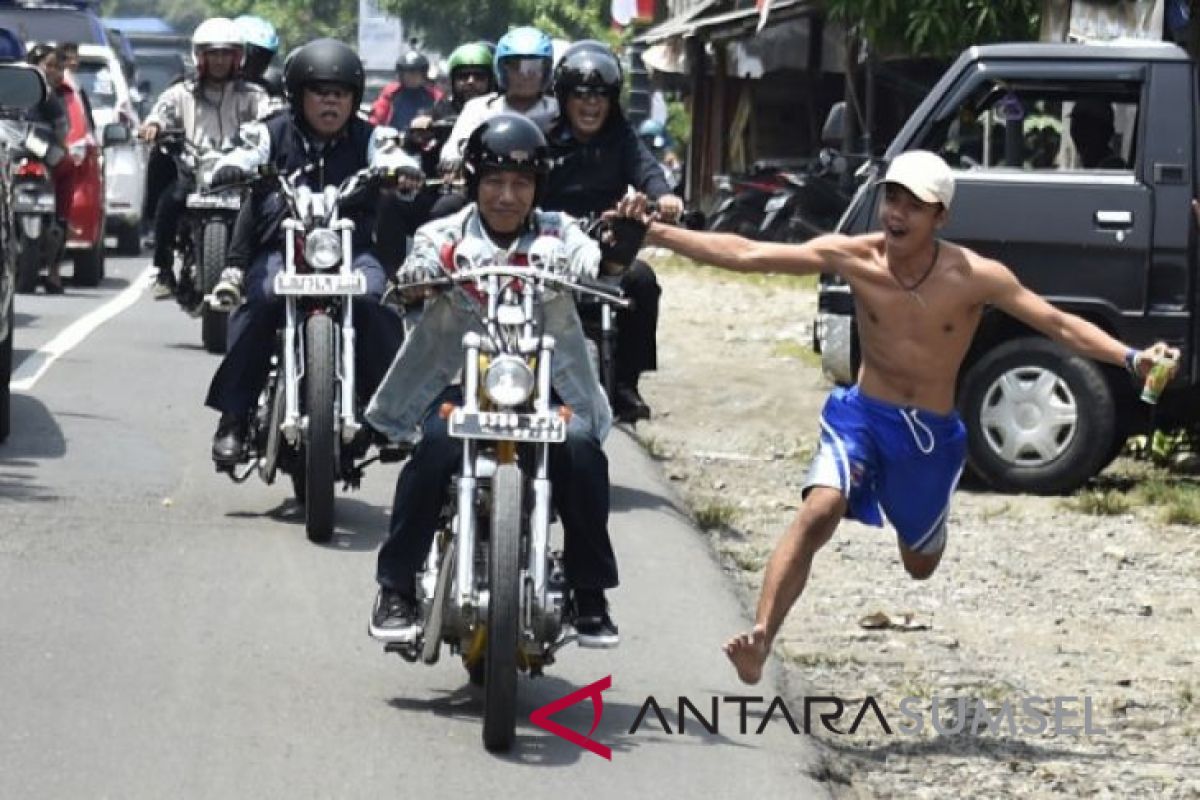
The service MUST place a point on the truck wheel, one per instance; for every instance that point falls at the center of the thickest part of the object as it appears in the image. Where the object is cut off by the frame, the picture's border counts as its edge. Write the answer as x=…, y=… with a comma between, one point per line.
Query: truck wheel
x=89, y=265
x=1039, y=419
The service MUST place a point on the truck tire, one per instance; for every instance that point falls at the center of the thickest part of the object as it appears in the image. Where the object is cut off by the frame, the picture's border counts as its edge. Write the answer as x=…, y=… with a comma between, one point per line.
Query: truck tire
x=214, y=324
x=89, y=265
x=1039, y=419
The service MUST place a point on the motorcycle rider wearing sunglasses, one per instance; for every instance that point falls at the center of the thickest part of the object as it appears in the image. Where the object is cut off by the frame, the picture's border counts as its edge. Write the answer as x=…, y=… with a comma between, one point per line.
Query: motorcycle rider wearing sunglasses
x=324, y=84
x=597, y=156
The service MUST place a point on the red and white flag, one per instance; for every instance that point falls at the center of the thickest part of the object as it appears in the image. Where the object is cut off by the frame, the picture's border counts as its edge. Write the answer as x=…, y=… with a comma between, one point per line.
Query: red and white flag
x=764, y=8
x=623, y=11
x=627, y=11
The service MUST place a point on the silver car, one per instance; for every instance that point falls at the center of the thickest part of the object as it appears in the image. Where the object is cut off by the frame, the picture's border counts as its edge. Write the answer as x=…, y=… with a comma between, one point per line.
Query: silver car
x=112, y=101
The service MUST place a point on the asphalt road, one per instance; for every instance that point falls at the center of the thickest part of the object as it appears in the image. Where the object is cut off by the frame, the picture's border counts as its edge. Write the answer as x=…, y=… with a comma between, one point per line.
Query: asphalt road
x=166, y=633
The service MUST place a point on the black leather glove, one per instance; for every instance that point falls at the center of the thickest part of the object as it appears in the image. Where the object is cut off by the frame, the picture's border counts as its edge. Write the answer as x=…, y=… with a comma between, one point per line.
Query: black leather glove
x=224, y=176
x=620, y=240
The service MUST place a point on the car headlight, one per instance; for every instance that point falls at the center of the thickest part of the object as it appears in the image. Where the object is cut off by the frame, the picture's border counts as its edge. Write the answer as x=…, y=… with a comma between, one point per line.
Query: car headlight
x=509, y=381
x=323, y=249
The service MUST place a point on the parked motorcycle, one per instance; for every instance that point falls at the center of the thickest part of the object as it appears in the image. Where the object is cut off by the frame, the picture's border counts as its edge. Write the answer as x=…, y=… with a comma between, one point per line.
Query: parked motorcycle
x=40, y=232
x=492, y=589
x=203, y=239
x=308, y=421
x=809, y=203
x=740, y=200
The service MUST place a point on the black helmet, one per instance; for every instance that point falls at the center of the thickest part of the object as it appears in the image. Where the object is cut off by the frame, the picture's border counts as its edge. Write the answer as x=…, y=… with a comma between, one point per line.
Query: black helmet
x=413, y=60
x=588, y=63
x=507, y=141
x=272, y=81
x=322, y=61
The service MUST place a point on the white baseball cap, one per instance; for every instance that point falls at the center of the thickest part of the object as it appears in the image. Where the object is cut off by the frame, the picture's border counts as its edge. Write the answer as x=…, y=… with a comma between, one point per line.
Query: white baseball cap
x=924, y=174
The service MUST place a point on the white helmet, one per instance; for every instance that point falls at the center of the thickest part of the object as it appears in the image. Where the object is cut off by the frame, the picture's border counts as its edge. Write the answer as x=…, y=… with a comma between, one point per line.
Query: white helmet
x=217, y=32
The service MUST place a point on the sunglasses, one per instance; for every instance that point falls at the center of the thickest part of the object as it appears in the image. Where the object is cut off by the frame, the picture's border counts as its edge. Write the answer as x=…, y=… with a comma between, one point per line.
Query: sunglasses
x=479, y=76
x=325, y=91
x=584, y=92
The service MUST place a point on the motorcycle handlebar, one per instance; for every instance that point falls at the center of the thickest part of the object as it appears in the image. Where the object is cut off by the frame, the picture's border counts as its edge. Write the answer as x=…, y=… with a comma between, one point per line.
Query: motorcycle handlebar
x=476, y=274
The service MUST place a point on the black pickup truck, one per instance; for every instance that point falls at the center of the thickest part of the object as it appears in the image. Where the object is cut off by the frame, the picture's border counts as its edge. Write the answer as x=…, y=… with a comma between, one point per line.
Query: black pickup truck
x=1075, y=166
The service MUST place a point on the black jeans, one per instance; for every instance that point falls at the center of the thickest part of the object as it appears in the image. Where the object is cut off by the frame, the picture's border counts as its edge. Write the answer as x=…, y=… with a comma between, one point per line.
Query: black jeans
x=396, y=219
x=579, y=480
x=160, y=173
x=171, y=205
x=637, y=327
x=240, y=379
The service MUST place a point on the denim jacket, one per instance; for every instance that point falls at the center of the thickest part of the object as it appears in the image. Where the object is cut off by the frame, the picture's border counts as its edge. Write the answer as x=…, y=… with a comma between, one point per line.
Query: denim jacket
x=432, y=354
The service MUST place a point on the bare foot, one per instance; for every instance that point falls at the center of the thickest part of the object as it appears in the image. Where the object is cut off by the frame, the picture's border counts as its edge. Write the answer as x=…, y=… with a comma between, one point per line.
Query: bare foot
x=748, y=652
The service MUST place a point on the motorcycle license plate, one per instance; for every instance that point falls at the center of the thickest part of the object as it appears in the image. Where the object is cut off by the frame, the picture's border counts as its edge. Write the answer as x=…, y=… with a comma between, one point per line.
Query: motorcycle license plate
x=507, y=426
x=320, y=285
x=218, y=201
x=776, y=203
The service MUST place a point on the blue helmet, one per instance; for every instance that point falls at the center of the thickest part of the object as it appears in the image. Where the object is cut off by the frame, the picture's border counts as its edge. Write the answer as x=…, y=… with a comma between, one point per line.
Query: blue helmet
x=257, y=32
x=523, y=43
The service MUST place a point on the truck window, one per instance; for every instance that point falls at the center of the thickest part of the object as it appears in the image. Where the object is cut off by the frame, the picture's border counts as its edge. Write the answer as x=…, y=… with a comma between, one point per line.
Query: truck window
x=1041, y=127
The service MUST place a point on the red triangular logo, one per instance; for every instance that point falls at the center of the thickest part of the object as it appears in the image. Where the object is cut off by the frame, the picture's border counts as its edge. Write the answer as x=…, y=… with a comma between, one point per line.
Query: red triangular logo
x=541, y=717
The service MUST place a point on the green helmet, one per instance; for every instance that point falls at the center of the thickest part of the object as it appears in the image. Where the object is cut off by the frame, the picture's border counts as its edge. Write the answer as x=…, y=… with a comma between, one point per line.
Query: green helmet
x=475, y=54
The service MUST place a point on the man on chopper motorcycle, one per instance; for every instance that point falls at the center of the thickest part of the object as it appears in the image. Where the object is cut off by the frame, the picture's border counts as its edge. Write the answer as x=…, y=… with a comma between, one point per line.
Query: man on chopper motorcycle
x=209, y=110
x=505, y=163
x=324, y=82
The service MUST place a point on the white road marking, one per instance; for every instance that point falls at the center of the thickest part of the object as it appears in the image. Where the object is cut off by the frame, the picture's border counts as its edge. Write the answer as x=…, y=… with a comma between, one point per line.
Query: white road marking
x=36, y=364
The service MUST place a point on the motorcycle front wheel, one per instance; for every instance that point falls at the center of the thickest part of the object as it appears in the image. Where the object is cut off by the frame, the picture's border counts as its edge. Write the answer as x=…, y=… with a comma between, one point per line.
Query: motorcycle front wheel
x=320, y=406
x=504, y=610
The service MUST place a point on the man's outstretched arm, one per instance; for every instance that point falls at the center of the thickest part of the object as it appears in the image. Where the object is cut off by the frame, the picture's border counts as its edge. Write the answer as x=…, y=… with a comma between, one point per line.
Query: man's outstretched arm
x=1073, y=332
x=822, y=254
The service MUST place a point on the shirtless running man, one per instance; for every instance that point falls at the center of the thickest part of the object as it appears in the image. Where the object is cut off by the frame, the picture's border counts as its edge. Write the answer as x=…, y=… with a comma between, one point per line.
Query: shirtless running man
x=893, y=442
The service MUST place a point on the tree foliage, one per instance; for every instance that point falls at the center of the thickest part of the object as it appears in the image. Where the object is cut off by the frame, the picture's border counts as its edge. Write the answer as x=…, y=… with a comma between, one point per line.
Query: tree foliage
x=445, y=24
x=937, y=28
x=297, y=21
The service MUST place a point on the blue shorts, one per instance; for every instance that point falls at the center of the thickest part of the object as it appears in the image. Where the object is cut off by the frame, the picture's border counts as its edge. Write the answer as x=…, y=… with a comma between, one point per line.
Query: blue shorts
x=903, y=461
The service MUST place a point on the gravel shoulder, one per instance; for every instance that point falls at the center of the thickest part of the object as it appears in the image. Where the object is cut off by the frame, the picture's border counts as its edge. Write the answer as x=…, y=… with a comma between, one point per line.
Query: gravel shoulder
x=1034, y=597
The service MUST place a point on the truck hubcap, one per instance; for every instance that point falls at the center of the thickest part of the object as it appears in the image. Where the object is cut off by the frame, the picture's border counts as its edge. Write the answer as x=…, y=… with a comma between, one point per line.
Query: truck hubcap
x=1029, y=416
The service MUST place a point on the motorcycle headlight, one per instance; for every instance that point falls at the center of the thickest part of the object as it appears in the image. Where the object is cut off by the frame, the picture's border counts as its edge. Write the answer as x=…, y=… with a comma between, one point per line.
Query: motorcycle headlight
x=323, y=249
x=509, y=381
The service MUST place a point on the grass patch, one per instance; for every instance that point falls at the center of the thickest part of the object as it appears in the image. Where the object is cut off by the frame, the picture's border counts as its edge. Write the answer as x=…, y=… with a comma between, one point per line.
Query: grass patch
x=714, y=515
x=747, y=560
x=1101, y=503
x=1183, y=511
x=677, y=264
x=1178, y=500
x=790, y=348
x=818, y=659
x=653, y=446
